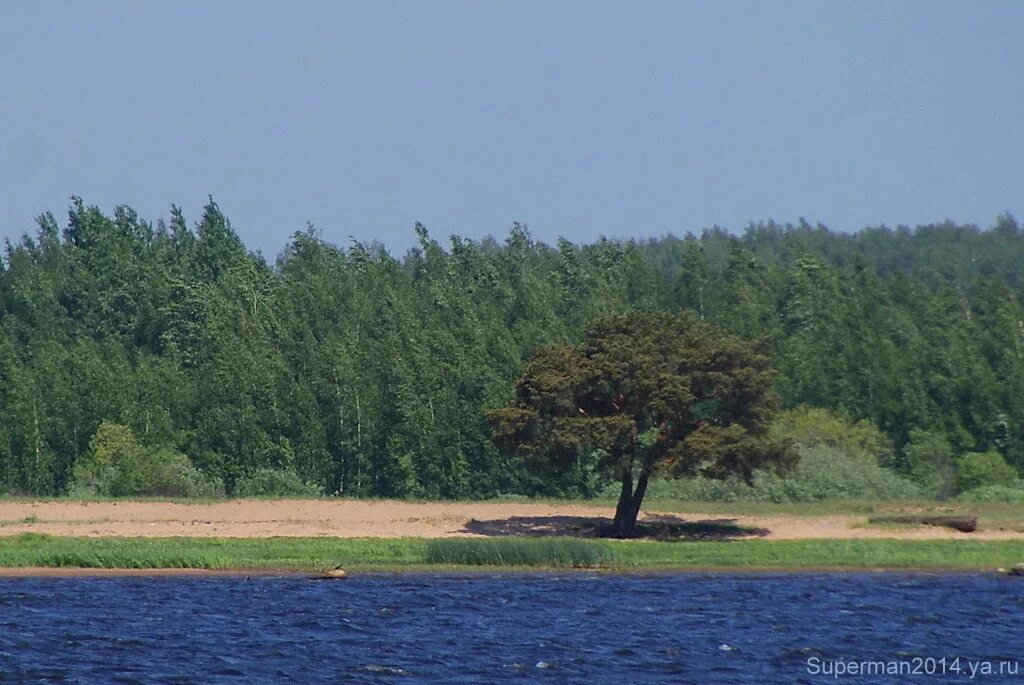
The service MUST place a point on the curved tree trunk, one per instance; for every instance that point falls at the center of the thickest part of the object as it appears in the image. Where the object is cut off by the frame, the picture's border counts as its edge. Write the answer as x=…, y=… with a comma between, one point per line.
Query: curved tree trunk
x=628, y=507
x=619, y=524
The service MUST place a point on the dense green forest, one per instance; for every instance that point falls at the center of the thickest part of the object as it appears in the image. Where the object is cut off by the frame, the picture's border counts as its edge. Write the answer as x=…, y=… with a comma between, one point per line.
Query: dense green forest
x=365, y=374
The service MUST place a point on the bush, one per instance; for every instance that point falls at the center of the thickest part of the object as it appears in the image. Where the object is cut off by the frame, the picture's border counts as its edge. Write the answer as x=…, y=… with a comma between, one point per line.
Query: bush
x=978, y=469
x=275, y=483
x=118, y=466
x=823, y=473
x=930, y=461
x=1007, y=494
x=815, y=427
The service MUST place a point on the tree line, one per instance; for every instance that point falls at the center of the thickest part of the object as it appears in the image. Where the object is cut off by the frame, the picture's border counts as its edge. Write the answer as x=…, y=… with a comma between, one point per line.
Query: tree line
x=372, y=375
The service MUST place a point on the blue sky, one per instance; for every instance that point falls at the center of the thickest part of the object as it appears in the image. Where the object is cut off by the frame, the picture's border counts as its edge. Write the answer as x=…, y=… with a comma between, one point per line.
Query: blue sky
x=580, y=119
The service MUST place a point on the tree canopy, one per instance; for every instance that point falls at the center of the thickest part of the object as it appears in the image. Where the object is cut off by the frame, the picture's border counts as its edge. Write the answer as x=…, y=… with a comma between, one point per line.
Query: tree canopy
x=645, y=392
x=370, y=375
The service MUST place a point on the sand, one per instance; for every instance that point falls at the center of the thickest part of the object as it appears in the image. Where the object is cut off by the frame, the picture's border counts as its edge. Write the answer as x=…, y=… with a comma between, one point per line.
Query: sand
x=387, y=518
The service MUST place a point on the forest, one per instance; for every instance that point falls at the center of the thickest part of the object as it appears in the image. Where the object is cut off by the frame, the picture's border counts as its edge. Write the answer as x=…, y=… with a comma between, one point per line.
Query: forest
x=345, y=370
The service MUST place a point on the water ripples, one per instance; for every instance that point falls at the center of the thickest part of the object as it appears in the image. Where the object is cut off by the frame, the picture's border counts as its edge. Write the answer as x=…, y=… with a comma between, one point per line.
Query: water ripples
x=524, y=628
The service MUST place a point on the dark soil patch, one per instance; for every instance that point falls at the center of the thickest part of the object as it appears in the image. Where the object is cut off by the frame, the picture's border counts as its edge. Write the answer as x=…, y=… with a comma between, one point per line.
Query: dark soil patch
x=653, y=527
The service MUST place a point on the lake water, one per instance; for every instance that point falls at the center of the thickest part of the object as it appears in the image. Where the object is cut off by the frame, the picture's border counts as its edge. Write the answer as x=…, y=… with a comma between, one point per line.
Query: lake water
x=679, y=628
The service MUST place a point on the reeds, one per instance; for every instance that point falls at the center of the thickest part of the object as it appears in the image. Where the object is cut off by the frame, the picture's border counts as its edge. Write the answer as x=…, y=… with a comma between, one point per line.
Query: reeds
x=545, y=552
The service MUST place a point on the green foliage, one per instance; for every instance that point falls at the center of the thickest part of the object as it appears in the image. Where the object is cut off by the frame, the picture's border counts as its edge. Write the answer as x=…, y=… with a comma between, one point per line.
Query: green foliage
x=370, y=375
x=275, y=483
x=1009, y=494
x=118, y=466
x=930, y=461
x=979, y=469
x=823, y=473
x=553, y=552
x=646, y=392
x=813, y=426
x=111, y=443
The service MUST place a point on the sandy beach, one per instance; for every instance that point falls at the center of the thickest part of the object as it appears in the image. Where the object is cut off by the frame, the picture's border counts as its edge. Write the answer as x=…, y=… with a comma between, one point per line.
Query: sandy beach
x=390, y=519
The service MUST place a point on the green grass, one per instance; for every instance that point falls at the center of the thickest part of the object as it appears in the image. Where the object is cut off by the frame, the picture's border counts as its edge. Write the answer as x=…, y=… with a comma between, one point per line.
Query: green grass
x=26, y=521
x=825, y=554
x=33, y=549
x=309, y=554
x=550, y=552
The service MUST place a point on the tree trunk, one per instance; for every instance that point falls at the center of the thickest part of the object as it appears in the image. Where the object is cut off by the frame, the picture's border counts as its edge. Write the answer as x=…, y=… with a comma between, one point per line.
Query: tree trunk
x=628, y=508
x=625, y=498
x=638, y=498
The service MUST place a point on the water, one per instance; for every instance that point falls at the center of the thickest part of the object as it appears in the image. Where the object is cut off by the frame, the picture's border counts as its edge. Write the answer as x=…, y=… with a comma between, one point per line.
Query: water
x=591, y=629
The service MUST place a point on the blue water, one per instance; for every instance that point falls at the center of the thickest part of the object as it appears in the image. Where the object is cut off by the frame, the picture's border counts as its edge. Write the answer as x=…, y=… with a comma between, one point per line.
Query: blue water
x=682, y=628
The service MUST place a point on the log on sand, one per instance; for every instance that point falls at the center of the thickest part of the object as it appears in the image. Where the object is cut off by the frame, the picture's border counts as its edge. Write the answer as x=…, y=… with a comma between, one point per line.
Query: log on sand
x=965, y=524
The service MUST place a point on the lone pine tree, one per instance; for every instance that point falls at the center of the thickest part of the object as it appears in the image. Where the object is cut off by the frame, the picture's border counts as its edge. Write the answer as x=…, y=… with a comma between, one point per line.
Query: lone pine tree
x=645, y=393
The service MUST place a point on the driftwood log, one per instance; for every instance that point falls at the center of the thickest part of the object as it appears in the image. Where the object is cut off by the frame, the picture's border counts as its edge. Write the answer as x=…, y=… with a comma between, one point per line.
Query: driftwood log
x=965, y=524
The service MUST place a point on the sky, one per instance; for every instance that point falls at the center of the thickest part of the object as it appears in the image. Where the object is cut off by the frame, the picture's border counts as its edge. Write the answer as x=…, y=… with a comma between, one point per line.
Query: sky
x=580, y=119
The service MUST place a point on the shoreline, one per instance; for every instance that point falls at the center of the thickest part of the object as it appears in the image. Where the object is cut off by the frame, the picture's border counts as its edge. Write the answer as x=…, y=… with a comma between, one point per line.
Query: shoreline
x=84, y=572
x=9, y=572
x=42, y=555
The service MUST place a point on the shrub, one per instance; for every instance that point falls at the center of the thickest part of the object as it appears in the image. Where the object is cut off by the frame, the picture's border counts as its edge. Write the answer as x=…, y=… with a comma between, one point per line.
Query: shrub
x=930, y=461
x=815, y=427
x=823, y=473
x=1008, y=494
x=118, y=466
x=268, y=482
x=978, y=469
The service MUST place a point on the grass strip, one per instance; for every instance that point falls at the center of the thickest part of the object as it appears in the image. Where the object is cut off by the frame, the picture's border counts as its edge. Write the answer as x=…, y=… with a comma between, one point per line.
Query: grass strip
x=308, y=554
x=552, y=552
x=822, y=553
